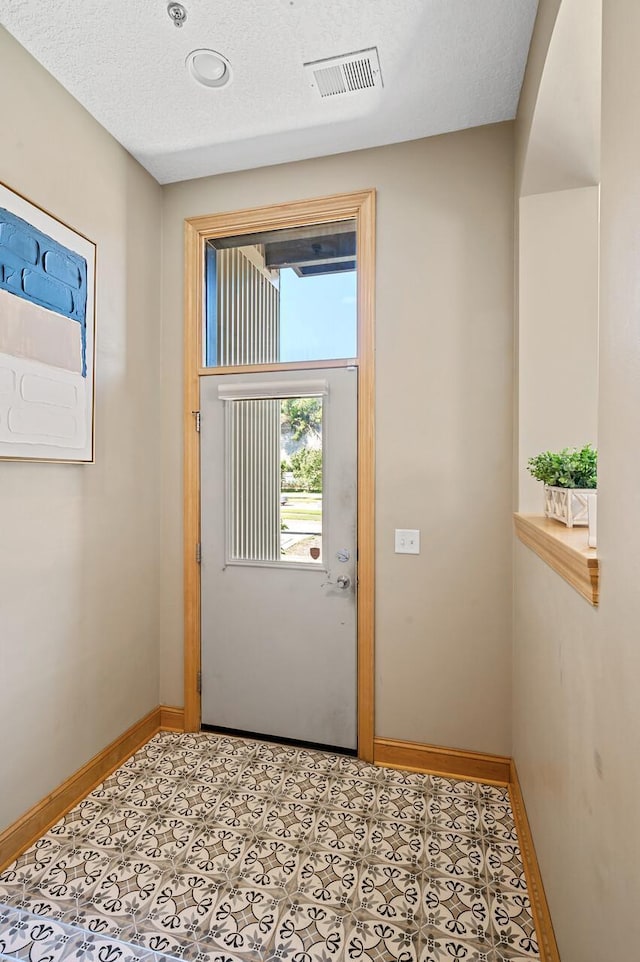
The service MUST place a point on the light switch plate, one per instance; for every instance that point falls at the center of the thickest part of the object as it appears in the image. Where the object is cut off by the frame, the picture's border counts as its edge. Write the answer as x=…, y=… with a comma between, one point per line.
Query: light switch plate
x=407, y=541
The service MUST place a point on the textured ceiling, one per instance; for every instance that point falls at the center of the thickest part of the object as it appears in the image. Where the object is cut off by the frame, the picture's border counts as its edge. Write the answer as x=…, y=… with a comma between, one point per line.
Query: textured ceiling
x=446, y=65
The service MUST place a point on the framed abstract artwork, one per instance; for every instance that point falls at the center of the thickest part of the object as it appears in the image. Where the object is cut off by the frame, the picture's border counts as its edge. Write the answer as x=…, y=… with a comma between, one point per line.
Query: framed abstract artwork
x=47, y=334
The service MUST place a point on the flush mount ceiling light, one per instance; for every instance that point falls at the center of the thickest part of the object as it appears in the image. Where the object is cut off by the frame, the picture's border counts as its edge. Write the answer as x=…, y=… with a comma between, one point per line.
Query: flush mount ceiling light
x=209, y=68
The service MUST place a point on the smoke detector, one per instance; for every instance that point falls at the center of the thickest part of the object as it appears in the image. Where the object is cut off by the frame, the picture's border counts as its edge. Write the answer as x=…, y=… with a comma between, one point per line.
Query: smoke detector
x=351, y=73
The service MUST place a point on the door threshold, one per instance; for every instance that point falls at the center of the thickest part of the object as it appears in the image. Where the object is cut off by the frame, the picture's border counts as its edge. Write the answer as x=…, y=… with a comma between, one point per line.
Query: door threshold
x=294, y=742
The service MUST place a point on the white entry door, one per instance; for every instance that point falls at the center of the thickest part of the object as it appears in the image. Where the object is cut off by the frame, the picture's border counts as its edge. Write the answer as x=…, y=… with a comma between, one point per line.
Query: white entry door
x=278, y=556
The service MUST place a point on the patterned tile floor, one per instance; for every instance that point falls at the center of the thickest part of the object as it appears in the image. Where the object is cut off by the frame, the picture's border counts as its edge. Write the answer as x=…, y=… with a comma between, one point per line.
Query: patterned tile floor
x=215, y=849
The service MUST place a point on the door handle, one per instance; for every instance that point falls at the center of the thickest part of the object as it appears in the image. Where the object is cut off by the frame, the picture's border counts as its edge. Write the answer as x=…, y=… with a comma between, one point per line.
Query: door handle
x=343, y=582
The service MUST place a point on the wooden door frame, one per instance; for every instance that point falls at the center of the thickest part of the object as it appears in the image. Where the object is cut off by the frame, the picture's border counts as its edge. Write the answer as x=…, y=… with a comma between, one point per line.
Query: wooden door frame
x=360, y=206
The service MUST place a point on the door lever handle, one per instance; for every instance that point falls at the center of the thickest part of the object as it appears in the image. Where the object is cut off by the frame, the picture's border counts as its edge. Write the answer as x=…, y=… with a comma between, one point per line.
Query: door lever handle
x=342, y=581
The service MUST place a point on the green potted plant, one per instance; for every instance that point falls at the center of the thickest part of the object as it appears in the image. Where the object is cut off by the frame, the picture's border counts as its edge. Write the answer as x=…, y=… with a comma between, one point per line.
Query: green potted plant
x=569, y=477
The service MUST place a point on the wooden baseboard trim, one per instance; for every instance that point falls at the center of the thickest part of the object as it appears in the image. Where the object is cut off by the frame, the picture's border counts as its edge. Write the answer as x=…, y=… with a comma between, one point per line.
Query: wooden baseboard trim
x=34, y=823
x=171, y=719
x=474, y=766
x=544, y=927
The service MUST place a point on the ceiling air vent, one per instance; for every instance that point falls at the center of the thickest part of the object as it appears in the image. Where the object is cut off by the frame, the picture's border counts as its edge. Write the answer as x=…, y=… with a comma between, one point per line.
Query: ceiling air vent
x=348, y=74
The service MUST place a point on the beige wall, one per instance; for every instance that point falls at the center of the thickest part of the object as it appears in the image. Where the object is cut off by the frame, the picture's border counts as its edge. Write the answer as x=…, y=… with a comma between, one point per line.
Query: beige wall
x=558, y=330
x=78, y=569
x=576, y=669
x=444, y=421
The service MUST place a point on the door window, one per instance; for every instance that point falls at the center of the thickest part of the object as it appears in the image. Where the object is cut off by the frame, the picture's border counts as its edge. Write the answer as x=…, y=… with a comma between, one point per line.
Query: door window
x=274, y=480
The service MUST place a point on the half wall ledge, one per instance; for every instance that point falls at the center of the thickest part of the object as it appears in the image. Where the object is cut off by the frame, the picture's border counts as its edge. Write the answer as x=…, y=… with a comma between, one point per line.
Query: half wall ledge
x=566, y=550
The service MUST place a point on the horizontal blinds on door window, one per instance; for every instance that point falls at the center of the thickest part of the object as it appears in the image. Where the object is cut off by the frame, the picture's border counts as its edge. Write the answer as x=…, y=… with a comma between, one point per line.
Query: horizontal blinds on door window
x=272, y=389
x=253, y=499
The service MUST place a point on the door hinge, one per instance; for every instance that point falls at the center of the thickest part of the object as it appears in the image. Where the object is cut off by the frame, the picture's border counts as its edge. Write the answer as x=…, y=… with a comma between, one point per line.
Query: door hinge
x=199, y=682
x=198, y=553
x=196, y=415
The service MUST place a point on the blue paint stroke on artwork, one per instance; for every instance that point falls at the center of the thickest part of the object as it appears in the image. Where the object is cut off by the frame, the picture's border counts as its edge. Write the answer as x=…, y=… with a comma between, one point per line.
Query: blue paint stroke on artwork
x=39, y=269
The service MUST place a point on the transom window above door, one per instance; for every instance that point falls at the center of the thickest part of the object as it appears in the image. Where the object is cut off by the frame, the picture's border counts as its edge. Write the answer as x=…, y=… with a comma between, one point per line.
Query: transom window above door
x=282, y=296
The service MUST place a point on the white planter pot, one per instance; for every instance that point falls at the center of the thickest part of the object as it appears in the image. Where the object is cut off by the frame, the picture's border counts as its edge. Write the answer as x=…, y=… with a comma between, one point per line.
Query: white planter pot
x=593, y=520
x=569, y=505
